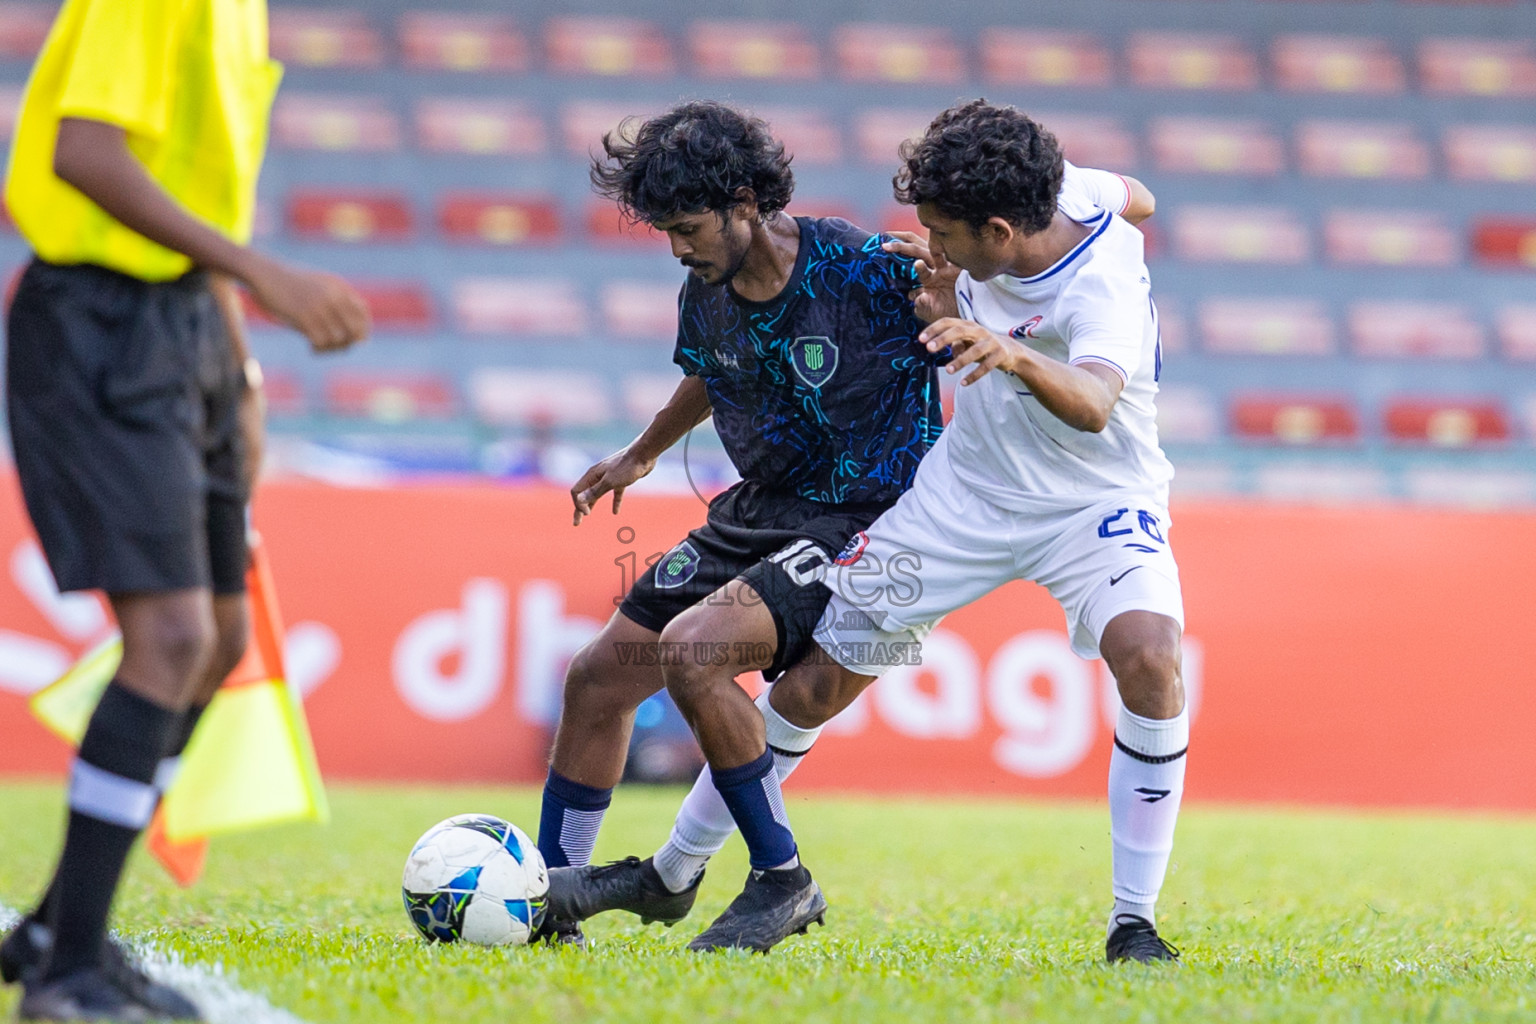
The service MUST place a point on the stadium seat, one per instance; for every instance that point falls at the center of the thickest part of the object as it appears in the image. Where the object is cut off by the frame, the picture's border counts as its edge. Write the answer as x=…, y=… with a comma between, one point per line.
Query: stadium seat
x=520, y=306
x=1186, y=415
x=1287, y=327
x=1191, y=60
x=349, y=215
x=362, y=124
x=498, y=218
x=398, y=306
x=882, y=52
x=753, y=49
x=645, y=393
x=1440, y=330
x=641, y=309
x=1018, y=56
x=507, y=397
x=1216, y=146
x=10, y=109
x=1390, y=238
x=607, y=46
x=23, y=27
x=894, y=216
x=480, y=126
x=1092, y=140
x=1173, y=328
x=1445, y=423
x=1362, y=149
x=583, y=123
x=1240, y=234
x=1294, y=419
x=390, y=396
x=283, y=394
x=1477, y=67
x=319, y=37
x=1328, y=482
x=460, y=41
x=606, y=226
x=1487, y=152
x=1516, y=327
x=808, y=133
x=1470, y=488
x=879, y=130
x=1347, y=64
x=1505, y=241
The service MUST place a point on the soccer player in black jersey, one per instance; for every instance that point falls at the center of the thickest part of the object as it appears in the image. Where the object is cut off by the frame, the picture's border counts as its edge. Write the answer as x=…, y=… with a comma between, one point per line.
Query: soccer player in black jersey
x=798, y=335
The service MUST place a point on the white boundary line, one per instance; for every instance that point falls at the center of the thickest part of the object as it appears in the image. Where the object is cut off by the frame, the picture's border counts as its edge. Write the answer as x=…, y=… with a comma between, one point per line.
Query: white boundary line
x=220, y=999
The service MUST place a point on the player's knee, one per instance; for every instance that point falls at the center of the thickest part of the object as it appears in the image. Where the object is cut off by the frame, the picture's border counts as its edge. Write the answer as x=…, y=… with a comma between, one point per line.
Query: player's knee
x=813, y=694
x=687, y=677
x=180, y=640
x=1149, y=678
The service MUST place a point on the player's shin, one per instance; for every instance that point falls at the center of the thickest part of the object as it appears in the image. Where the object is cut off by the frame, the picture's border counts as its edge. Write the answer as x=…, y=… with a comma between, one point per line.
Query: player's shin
x=752, y=793
x=569, y=822
x=1146, y=783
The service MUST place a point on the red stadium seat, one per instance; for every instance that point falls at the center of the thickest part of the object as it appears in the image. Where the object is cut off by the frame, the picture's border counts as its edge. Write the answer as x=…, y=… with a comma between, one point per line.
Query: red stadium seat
x=583, y=123
x=1486, y=152
x=808, y=134
x=645, y=393
x=1092, y=140
x=1439, y=330
x=1186, y=414
x=390, y=396
x=1505, y=241
x=506, y=397
x=10, y=109
x=1216, y=146
x=878, y=131
x=1348, y=64
x=753, y=49
x=1477, y=67
x=283, y=393
x=607, y=46
x=1021, y=56
x=1191, y=60
x=316, y=37
x=1516, y=325
x=480, y=126
x=1391, y=238
x=458, y=41
x=350, y=215
x=360, y=124
x=498, y=218
x=520, y=306
x=606, y=226
x=896, y=216
x=1294, y=419
x=23, y=27
x=1362, y=149
x=641, y=309
x=1287, y=327
x=403, y=306
x=1445, y=423
x=880, y=52
x=1240, y=234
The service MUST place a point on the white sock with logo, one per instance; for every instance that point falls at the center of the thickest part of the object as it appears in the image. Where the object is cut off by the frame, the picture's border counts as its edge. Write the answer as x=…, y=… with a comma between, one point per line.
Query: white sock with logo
x=1146, y=783
x=704, y=823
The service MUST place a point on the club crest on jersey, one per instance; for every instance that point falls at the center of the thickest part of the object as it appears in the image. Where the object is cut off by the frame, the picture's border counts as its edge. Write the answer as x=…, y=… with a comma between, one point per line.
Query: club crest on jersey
x=854, y=549
x=677, y=566
x=814, y=359
x=1026, y=329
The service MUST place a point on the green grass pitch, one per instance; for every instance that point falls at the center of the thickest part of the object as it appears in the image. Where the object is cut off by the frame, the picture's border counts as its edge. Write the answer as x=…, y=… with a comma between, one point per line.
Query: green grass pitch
x=941, y=910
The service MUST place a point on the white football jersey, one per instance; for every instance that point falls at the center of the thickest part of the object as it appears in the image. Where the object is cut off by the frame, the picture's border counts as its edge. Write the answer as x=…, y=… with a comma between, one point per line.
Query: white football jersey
x=1093, y=305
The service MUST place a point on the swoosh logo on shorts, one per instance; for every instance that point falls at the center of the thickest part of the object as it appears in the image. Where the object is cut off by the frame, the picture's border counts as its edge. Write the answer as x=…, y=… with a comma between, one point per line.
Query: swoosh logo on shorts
x=1116, y=579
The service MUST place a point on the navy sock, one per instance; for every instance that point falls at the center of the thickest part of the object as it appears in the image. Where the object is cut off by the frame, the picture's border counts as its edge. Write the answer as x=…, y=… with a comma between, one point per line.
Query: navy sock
x=569, y=822
x=752, y=793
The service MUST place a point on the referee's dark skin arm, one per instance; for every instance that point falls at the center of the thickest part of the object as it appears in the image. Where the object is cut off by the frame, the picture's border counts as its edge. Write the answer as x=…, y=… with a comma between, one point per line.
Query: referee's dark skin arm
x=93, y=157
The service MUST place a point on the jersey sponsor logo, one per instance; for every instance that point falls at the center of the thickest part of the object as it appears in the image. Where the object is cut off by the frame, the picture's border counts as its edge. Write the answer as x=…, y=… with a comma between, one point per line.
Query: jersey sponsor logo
x=1027, y=328
x=677, y=566
x=814, y=359
x=854, y=550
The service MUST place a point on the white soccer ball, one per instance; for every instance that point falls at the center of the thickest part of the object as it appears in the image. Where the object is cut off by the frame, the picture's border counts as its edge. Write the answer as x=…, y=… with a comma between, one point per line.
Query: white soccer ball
x=475, y=878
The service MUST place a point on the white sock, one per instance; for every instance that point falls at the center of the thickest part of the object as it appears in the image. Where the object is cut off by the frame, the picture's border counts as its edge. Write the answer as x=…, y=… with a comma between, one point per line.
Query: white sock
x=704, y=823
x=1146, y=783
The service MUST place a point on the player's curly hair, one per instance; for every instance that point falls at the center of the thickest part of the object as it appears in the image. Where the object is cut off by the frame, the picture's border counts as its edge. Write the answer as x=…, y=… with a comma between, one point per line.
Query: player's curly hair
x=695, y=157
x=978, y=161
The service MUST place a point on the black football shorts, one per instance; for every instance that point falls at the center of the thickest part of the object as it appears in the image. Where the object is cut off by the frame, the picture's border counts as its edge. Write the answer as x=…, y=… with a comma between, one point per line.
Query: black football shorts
x=781, y=545
x=123, y=398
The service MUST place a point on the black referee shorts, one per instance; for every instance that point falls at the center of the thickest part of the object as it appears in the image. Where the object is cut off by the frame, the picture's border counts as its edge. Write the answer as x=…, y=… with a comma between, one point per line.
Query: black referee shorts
x=123, y=398
x=781, y=545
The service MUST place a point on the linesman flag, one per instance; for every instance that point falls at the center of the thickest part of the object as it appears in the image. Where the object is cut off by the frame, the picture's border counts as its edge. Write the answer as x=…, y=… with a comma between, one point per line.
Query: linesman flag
x=250, y=762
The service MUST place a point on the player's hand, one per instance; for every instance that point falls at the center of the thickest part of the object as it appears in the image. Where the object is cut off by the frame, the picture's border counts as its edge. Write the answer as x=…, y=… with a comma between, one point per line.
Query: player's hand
x=614, y=473
x=322, y=307
x=972, y=345
x=934, y=299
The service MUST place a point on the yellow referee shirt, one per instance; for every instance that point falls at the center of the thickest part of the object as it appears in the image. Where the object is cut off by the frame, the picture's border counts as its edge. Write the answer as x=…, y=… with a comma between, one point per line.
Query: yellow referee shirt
x=190, y=81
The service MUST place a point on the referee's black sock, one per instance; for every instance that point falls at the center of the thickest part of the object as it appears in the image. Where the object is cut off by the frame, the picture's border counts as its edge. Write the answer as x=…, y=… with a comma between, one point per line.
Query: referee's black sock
x=111, y=799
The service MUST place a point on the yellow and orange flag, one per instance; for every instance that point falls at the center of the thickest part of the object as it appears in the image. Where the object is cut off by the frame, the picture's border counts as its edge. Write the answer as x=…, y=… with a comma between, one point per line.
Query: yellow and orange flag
x=250, y=762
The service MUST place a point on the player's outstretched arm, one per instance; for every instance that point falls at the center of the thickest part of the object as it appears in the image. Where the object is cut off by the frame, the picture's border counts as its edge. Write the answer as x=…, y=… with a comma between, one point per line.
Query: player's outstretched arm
x=686, y=409
x=93, y=157
x=1081, y=396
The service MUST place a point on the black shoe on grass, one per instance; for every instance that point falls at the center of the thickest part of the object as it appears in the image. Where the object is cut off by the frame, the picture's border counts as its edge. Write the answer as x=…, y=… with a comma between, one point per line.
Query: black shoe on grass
x=773, y=906
x=93, y=994
x=631, y=884
x=558, y=931
x=1134, y=938
x=23, y=951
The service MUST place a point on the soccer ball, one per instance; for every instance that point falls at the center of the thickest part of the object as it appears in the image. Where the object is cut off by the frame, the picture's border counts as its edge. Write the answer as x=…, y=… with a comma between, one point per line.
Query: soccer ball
x=475, y=878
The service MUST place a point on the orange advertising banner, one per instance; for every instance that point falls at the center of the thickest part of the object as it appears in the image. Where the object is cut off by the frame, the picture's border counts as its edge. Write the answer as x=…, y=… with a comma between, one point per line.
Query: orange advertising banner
x=1364, y=655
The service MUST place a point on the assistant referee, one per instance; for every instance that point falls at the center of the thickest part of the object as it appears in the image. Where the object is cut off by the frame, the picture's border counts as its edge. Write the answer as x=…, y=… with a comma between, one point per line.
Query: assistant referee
x=136, y=416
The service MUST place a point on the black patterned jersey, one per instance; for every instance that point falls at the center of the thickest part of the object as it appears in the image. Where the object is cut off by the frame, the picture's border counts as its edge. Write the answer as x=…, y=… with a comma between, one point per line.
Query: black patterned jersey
x=824, y=391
